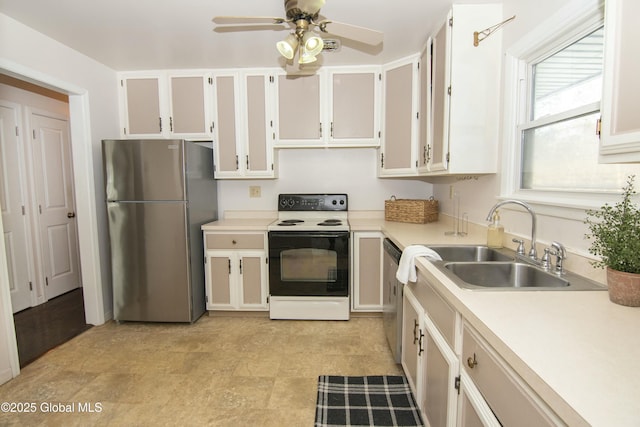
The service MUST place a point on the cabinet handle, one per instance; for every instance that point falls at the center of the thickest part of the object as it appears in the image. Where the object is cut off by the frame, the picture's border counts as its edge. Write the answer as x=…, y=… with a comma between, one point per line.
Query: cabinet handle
x=233, y=242
x=171, y=124
x=420, y=347
x=247, y=162
x=415, y=327
x=160, y=123
x=240, y=266
x=229, y=266
x=472, y=362
x=237, y=163
x=331, y=129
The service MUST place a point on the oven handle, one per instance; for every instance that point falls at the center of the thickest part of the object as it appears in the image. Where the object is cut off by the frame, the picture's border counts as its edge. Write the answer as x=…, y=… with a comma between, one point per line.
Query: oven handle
x=314, y=234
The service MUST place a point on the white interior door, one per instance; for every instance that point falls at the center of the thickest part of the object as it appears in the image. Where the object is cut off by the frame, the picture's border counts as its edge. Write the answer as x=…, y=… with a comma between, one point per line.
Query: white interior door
x=12, y=191
x=54, y=197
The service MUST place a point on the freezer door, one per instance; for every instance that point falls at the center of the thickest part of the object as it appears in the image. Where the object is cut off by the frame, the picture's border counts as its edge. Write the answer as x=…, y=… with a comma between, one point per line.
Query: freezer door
x=150, y=169
x=149, y=261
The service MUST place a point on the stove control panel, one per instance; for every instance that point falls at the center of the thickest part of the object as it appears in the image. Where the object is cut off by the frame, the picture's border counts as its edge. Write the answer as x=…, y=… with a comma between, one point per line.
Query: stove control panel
x=312, y=202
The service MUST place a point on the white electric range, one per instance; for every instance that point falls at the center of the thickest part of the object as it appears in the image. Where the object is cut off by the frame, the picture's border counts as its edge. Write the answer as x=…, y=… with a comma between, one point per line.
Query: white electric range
x=309, y=264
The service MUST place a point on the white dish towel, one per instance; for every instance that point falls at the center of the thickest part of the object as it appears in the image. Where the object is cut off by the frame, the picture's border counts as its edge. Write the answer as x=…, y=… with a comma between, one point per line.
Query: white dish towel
x=407, y=265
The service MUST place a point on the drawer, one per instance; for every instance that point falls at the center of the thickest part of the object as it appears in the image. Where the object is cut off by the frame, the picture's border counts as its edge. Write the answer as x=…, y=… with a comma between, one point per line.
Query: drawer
x=234, y=241
x=438, y=310
x=510, y=399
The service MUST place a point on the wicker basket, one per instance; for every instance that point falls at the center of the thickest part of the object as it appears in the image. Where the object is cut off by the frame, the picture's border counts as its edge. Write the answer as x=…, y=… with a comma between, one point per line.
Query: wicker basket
x=411, y=210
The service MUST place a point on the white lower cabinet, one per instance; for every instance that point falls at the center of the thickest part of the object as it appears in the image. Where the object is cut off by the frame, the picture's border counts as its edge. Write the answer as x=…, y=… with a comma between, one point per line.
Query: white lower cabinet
x=457, y=378
x=236, y=271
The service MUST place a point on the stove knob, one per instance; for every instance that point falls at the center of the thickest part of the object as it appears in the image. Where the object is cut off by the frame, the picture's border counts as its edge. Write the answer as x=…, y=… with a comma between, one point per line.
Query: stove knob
x=342, y=202
x=334, y=202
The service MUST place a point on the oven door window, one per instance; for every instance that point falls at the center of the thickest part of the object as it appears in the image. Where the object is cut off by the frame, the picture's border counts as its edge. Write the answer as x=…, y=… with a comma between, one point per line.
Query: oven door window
x=308, y=265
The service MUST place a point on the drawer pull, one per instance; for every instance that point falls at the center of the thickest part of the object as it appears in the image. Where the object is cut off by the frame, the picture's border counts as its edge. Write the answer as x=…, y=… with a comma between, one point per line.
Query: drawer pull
x=472, y=362
x=234, y=242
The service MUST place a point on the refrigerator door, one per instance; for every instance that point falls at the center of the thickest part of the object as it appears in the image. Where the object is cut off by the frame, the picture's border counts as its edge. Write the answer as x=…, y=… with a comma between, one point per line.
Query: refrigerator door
x=149, y=250
x=151, y=169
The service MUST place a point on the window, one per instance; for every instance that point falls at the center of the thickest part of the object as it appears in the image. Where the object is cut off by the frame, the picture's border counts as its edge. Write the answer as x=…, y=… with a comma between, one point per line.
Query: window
x=553, y=150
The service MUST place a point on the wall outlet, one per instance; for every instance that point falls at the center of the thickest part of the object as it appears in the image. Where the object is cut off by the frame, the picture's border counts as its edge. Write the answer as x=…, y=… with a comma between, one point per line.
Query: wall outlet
x=255, y=191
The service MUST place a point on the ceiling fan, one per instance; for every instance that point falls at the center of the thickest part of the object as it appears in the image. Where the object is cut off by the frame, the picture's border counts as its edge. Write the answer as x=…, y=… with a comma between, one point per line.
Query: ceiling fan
x=303, y=16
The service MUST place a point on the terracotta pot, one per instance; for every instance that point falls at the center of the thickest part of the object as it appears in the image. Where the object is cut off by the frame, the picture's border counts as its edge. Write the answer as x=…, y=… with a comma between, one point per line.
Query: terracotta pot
x=624, y=288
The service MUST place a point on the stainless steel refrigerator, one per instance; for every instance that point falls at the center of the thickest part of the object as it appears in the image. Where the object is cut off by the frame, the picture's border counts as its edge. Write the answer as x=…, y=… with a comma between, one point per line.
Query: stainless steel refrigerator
x=159, y=193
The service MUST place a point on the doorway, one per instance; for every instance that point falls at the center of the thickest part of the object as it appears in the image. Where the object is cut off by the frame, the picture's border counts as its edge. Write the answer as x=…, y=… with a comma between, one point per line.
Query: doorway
x=38, y=211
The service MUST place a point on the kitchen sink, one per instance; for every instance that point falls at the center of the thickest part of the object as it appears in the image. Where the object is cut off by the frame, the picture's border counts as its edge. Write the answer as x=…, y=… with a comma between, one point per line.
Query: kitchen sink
x=504, y=275
x=466, y=253
x=478, y=267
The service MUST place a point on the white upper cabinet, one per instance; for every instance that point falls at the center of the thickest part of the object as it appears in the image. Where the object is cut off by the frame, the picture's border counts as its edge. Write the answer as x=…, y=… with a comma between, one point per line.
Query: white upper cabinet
x=166, y=105
x=620, y=129
x=337, y=107
x=398, y=153
x=243, y=135
x=354, y=107
x=190, y=105
x=299, y=120
x=465, y=92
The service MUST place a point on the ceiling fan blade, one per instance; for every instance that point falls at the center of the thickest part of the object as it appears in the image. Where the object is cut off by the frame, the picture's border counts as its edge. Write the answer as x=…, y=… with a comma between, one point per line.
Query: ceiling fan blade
x=310, y=6
x=353, y=32
x=234, y=20
x=260, y=27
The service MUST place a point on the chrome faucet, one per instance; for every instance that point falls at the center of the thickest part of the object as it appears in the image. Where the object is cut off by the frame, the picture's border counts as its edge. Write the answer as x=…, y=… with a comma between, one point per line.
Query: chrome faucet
x=533, y=253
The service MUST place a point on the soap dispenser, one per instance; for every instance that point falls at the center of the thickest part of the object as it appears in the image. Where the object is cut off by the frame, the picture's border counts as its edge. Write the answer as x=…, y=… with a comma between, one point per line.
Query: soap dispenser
x=495, y=232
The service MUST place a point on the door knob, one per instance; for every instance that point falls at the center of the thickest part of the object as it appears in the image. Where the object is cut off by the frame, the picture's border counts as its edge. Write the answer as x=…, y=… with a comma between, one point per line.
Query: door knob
x=71, y=215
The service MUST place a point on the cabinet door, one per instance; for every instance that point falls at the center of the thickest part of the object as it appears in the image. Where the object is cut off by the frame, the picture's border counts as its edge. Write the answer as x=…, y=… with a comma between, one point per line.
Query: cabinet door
x=473, y=411
x=620, y=132
x=440, y=78
x=367, y=282
x=424, y=139
x=299, y=120
x=354, y=108
x=438, y=400
x=227, y=161
x=258, y=156
x=189, y=96
x=218, y=281
x=143, y=115
x=253, y=280
x=412, y=340
x=398, y=156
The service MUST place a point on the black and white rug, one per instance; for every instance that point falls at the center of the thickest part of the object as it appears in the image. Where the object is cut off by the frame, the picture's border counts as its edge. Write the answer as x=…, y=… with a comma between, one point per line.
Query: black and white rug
x=365, y=401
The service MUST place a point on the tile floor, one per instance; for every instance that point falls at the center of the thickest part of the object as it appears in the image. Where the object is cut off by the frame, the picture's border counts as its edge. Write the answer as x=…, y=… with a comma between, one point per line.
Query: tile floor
x=220, y=371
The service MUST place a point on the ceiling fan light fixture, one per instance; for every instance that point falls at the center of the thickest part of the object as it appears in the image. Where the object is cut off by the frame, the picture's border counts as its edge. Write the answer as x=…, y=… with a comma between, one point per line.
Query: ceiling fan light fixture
x=305, y=58
x=312, y=44
x=288, y=46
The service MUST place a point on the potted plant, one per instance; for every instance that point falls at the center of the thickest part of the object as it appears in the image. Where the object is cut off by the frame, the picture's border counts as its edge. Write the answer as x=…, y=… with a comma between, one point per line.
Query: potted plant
x=615, y=238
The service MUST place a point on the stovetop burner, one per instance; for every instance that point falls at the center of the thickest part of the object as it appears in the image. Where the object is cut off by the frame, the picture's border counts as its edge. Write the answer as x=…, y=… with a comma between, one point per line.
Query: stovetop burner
x=330, y=223
x=289, y=222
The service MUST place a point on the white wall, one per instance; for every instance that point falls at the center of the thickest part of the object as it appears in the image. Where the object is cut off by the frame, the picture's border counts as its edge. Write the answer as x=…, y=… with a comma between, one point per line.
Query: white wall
x=478, y=196
x=93, y=105
x=343, y=170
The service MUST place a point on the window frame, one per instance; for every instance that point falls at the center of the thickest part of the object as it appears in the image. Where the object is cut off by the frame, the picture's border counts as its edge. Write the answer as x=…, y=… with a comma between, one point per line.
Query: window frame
x=548, y=38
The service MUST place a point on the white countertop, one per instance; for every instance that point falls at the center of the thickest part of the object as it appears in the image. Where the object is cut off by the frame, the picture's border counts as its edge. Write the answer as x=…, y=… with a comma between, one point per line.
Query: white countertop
x=577, y=350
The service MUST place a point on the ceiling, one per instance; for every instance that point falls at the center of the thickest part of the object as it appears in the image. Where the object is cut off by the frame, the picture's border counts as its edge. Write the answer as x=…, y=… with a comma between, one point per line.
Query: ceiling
x=175, y=34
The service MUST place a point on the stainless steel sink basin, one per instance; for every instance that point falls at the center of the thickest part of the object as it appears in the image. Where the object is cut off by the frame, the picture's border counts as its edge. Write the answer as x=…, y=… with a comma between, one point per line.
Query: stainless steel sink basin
x=504, y=275
x=477, y=267
x=466, y=253
x=512, y=276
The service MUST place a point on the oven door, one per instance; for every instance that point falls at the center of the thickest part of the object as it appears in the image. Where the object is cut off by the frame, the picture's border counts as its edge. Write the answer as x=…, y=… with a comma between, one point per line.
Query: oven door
x=309, y=263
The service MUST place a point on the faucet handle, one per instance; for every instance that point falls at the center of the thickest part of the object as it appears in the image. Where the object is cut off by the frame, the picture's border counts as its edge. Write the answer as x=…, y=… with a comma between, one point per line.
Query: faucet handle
x=561, y=254
x=520, y=250
x=545, y=259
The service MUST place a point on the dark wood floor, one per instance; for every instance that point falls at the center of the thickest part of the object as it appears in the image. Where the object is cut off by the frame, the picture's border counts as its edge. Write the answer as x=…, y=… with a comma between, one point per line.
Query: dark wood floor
x=41, y=328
